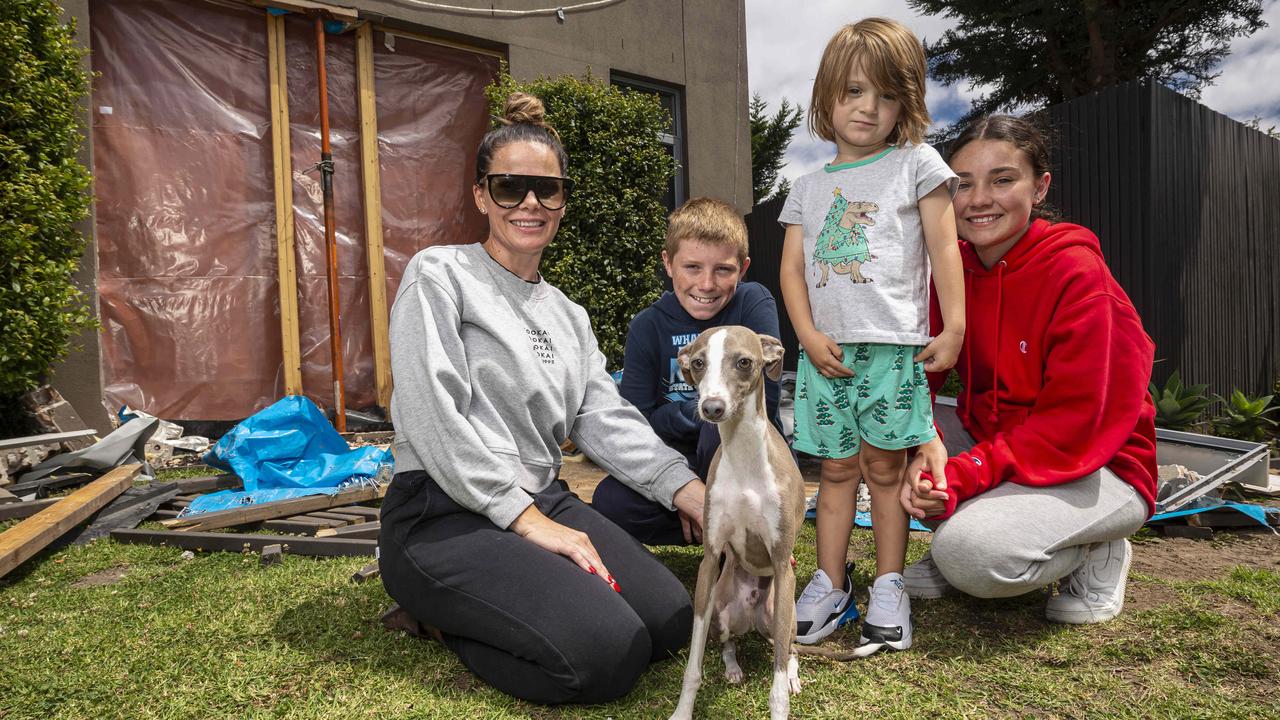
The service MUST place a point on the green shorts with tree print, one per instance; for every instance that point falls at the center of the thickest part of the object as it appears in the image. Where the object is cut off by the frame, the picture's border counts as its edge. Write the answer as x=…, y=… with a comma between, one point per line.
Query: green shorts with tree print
x=886, y=402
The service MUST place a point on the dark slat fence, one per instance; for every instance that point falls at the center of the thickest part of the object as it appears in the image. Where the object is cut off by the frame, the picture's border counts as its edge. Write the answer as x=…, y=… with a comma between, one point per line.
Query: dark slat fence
x=1186, y=203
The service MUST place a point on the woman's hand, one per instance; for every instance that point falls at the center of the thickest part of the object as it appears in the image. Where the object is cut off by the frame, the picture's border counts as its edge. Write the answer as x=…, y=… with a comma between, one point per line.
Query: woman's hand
x=688, y=501
x=922, y=497
x=941, y=354
x=548, y=534
x=825, y=354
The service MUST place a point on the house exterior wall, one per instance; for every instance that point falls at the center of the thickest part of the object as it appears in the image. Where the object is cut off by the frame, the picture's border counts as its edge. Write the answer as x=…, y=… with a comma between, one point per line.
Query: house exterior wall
x=696, y=46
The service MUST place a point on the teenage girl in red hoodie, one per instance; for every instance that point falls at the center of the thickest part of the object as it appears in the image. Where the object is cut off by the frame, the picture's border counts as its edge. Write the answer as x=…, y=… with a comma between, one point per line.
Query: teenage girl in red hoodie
x=1055, y=366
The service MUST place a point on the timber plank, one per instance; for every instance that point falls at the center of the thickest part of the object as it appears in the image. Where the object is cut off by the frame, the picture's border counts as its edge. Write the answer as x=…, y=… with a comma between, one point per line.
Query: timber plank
x=207, y=483
x=273, y=510
x=236, y=542
x=46, y=439
x=368, y=513
x=28, y=537
x=362, y=530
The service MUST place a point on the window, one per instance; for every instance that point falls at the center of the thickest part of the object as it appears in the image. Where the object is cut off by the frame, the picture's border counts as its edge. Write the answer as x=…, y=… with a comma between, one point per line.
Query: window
x=672, y=100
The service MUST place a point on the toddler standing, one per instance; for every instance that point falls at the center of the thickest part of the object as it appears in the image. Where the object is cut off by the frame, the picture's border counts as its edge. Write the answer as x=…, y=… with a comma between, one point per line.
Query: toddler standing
x=861, y=235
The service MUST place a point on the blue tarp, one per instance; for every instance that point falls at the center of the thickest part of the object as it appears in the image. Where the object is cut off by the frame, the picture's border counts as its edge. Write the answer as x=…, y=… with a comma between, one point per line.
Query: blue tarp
x=288, y=450
x=1256, y=512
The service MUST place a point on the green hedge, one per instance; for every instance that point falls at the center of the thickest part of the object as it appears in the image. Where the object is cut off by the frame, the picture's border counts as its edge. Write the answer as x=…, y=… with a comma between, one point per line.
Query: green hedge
x=607, y=255
x=42, y=191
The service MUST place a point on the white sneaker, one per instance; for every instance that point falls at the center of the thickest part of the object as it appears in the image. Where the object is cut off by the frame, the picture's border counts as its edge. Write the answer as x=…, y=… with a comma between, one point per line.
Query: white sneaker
x=888, y=621
x=821, y=608
x=1094, y=592
x=924, y=581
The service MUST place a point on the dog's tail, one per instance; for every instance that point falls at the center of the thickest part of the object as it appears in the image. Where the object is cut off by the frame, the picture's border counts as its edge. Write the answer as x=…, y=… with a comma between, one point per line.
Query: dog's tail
x=836, y=655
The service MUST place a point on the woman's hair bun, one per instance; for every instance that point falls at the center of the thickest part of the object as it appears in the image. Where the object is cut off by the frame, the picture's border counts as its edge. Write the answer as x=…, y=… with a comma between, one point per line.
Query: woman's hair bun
x=526, y=109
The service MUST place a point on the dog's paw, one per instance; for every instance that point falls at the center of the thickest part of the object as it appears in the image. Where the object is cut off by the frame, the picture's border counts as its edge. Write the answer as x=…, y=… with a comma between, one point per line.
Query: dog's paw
x=734, y=675
x=793, y=675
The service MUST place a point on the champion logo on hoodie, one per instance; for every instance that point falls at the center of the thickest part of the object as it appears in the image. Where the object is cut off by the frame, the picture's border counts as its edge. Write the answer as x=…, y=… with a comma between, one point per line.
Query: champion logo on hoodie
x=1023, y=346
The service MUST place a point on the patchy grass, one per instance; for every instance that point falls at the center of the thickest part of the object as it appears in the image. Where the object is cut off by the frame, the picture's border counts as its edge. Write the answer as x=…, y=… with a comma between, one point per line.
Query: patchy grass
x=123, y=631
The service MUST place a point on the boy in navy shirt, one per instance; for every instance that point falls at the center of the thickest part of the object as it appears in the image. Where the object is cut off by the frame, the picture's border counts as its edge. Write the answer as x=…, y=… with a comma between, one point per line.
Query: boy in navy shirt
x=706, y=257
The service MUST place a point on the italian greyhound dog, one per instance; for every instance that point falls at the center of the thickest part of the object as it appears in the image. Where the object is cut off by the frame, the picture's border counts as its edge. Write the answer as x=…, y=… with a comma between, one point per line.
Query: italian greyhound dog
x=753, y=510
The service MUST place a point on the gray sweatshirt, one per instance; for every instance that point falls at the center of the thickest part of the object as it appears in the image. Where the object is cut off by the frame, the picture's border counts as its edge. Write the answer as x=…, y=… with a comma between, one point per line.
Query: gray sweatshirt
x=493, y=373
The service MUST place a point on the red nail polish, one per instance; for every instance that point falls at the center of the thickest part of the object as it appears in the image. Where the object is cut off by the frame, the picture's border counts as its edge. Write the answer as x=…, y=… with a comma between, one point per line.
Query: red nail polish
x=616, y=587
x=591, y=569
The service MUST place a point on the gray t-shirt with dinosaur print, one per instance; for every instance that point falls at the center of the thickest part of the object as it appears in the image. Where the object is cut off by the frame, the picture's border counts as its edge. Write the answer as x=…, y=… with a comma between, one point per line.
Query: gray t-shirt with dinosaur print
x=866, y=265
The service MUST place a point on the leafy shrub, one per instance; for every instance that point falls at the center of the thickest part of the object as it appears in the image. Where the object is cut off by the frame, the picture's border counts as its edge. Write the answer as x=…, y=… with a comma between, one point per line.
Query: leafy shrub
x=42, y=192
x=1245, y=417
x=607, y=254
x=1178, y=406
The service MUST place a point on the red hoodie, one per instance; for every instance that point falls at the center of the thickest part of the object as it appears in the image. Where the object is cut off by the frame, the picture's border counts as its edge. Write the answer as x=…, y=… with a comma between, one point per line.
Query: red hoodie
x=1055, y=366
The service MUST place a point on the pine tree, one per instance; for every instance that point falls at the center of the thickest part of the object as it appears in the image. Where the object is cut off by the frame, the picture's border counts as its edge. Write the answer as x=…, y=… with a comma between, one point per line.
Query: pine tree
x=847, y=438
x=880, y=411
x=899, y=359
x=905, y=396
x=864, y=387
x=770, y=136
x=861, y=354
x=1029, y=54
x=822, y=414
x=823, y=450
x=842, y=398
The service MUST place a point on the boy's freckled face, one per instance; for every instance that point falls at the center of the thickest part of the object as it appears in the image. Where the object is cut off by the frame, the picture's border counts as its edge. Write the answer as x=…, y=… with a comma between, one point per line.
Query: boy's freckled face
x=704, y=277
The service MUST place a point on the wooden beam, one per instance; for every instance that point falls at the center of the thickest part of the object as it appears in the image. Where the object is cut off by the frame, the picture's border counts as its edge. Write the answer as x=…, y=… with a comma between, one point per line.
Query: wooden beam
x=207, y=483
x=45, y=485
x=46, y=439
x=282, y=166
x=28, y=537
x=371, y=177
x=368, y=513
x=366, y=573
x=235, y=542
x=360, y=530
x=273, y=510
x=345, y=14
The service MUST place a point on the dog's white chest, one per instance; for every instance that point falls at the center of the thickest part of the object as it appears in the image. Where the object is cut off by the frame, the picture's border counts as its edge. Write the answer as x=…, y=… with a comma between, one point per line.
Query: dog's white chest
x=746, y=499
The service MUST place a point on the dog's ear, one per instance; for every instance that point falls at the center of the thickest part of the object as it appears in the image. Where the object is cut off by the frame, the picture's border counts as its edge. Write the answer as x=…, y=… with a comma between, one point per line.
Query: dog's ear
x=772, y=355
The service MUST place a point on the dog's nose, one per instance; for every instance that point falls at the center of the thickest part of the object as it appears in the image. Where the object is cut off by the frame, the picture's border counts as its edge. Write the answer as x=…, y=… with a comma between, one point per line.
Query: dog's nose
x=712, y=409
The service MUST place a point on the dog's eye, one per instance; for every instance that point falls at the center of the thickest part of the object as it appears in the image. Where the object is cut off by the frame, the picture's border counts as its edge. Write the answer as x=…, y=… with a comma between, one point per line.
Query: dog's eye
x=744, y=363
x=698, y=363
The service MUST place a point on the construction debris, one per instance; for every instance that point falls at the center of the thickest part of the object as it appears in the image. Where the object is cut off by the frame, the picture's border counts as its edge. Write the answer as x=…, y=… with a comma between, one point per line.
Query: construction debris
x=272, y=555
x=237, y=542
x=33, y=534
x=273, y=510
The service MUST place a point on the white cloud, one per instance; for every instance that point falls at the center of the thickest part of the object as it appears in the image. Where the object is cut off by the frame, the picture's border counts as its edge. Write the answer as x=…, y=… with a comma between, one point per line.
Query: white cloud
x=785, y=41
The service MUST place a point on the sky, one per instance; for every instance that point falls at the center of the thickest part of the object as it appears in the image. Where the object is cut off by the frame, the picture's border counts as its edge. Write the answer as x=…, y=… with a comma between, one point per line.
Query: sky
x=785, y=42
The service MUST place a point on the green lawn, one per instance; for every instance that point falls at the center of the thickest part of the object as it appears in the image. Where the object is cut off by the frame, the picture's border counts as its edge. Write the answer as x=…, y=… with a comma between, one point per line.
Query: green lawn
x=120, y=631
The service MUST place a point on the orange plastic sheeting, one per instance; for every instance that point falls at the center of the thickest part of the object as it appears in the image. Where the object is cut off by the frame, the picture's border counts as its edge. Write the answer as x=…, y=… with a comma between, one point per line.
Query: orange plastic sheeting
x=432, y=114
x=185, y=208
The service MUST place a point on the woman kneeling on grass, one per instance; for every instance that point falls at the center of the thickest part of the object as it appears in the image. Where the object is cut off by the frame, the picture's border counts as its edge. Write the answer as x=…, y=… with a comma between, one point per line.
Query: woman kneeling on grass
x=539, y=595
x=1055, y=365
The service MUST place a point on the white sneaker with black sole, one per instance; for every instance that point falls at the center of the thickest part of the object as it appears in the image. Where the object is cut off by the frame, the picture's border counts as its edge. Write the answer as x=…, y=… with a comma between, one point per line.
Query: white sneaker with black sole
x=1094, y=592
x=822, y=608
x=888, y=621
x=924, y=581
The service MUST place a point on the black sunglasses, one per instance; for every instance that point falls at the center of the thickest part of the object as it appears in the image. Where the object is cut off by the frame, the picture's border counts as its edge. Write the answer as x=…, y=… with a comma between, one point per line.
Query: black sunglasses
x=510, y=190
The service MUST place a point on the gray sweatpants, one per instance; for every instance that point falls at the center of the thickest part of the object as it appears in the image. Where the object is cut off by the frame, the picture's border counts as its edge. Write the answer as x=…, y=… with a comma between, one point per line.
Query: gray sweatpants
x=1015, y=538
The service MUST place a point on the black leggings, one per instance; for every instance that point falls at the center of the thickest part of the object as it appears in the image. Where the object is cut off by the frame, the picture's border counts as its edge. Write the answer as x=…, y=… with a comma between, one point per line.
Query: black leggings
x=525, y=620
